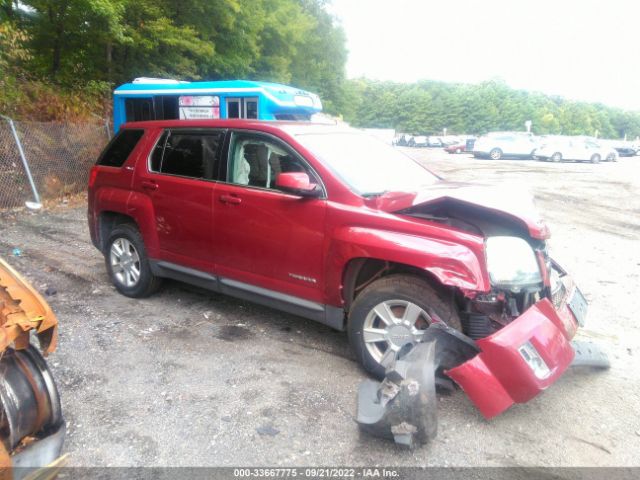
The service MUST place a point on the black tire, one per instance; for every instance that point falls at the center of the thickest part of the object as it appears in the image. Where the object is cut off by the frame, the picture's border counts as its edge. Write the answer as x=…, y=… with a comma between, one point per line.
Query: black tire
x=147, y=283
x=495, y=154
x=556, y=157
x=595, y=158
x=394, y=287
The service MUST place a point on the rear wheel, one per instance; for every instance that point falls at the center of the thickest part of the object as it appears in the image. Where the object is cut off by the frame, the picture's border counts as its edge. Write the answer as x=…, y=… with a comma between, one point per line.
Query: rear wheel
x=458, y=150
x=127, y=263
x=495, y=154
x=595, y=158
x=556, y=157
x=390, y=313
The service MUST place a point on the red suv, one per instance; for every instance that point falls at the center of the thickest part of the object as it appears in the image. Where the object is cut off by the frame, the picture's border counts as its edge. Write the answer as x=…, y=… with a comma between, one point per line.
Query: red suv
x=328, y=223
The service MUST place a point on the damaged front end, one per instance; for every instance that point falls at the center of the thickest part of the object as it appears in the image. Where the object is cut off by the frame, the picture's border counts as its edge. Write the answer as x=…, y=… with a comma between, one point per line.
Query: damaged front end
x=32, y=428
x=523, y=330
x=516, y=339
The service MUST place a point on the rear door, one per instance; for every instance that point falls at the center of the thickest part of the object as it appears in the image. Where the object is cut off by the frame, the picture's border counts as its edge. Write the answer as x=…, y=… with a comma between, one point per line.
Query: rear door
x=262, y=236
x=178, y=179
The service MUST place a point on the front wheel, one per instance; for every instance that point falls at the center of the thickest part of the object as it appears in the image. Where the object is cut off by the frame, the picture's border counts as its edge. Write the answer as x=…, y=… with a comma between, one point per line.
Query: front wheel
x=495, y=154
x=127, y=263
x=390, y=313
x=556, y=157
x=595, y=158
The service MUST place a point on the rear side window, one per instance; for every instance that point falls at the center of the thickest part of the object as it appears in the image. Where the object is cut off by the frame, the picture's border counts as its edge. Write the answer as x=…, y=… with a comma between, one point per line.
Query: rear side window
x=187, y=154
x=120, y=148
x=183, y=156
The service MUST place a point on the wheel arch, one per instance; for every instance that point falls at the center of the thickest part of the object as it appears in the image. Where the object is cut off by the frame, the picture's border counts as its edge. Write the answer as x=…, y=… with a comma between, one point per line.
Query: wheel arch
x=357, y=253
x=107, y=221
x=132, y=208
x=362, y=271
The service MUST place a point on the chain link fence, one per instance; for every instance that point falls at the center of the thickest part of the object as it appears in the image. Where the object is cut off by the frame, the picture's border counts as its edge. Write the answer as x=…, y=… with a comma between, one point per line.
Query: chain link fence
x=58, y=156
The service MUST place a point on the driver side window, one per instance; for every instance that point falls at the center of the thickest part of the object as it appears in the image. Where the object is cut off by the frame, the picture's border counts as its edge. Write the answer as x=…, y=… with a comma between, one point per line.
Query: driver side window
x=256, y=161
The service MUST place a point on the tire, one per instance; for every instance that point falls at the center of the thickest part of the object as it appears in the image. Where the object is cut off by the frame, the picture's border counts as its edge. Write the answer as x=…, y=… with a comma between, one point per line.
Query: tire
x=402, y=294
x=611, y=158
x=458, y=150
x=495, y=154
x=595, y=158
x=556, y=157
x=127, y=238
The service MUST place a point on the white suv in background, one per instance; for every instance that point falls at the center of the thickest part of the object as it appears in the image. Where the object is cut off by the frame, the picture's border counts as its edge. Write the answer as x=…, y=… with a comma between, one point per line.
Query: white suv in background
x=580, y=149
x=497, y=145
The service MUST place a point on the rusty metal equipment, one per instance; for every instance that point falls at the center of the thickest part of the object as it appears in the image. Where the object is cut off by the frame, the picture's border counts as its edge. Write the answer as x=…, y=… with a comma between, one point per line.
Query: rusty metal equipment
x=32, y=428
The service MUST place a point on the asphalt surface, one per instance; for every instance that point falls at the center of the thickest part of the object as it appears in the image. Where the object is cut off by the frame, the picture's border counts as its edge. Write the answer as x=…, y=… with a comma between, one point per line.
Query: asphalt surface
x=189, y=378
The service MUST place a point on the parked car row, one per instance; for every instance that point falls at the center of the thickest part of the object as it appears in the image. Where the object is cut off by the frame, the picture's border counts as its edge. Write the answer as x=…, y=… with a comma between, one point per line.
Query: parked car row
x=579, y=149
x=556, y=148
x=406, y=140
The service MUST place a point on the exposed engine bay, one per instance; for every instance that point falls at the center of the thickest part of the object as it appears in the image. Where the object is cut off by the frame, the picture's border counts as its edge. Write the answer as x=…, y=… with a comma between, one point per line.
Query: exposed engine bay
x=486, y=313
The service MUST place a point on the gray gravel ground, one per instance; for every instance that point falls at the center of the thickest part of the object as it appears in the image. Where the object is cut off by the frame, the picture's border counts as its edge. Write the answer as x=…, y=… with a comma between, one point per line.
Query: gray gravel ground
x=190, y=378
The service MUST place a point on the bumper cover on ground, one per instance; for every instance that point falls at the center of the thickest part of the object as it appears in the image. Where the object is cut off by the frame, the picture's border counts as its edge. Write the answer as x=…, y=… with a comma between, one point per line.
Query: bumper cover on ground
x=499, y=376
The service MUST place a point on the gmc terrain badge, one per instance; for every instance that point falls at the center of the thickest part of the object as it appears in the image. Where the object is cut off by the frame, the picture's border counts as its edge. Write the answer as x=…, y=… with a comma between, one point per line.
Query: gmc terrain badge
x=302, y=277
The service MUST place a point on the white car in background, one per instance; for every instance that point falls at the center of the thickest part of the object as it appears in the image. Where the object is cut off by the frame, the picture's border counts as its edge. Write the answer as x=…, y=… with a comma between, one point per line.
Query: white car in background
x=580, y=149
x=497, y=145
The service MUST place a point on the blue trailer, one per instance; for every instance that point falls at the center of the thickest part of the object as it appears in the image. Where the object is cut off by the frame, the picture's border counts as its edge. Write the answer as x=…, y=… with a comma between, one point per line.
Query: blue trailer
x=164, y=99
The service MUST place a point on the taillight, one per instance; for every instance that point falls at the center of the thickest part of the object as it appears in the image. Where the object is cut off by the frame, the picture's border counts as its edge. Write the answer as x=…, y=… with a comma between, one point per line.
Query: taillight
x=92, y=176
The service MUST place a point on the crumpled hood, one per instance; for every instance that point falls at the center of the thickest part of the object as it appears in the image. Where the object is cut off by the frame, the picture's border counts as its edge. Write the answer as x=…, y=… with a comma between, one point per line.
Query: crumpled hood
x=505, y=201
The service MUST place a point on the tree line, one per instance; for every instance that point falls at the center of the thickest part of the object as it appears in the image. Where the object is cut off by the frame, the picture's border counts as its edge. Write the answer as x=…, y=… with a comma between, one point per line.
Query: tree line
x=101, y=43
x=61, y=58
x=428, y=107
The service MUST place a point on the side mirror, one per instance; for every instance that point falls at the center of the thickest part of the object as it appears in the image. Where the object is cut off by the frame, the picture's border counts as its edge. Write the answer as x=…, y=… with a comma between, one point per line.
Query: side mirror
x=297, y=183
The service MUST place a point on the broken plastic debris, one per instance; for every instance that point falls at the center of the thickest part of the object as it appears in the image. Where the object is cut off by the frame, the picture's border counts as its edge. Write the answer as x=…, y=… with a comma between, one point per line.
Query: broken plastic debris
x=403, y=407
x=589, y=354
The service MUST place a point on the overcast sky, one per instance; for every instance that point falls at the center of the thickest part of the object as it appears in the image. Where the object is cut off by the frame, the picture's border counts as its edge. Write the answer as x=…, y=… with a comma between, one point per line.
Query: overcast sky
x=584, y=50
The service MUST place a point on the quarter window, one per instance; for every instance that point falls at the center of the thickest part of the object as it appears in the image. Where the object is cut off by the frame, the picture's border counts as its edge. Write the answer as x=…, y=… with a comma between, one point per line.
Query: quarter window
x=120, y=148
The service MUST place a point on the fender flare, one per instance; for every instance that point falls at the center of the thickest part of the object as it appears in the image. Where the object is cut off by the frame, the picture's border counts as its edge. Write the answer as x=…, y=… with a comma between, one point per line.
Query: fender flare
x=135, y=206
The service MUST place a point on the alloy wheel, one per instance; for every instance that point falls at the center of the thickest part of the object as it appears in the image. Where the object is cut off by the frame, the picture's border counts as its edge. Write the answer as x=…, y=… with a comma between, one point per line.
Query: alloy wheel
x=125, y=262
x=392, y=324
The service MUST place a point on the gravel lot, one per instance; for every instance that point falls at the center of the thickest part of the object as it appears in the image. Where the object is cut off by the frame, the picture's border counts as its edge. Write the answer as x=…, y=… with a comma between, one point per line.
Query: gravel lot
x=188, y=378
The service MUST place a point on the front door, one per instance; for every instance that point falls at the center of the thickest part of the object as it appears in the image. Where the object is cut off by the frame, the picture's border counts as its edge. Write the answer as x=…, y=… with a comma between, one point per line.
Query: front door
x=177, y=179
x=263, y=236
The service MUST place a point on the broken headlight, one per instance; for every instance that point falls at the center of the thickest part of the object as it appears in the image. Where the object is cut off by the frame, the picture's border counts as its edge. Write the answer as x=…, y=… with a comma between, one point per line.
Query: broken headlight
x=511, y=263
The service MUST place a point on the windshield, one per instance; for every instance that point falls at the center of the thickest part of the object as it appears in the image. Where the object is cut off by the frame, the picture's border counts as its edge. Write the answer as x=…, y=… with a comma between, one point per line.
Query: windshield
x=367, y=165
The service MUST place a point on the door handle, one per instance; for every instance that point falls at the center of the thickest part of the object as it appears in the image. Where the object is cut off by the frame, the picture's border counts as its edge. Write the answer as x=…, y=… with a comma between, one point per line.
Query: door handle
x=149, y=185
x=231, y=199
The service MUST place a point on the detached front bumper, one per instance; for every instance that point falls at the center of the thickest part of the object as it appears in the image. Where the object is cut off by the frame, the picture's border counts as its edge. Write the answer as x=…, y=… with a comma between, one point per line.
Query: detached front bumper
x=525, y=357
